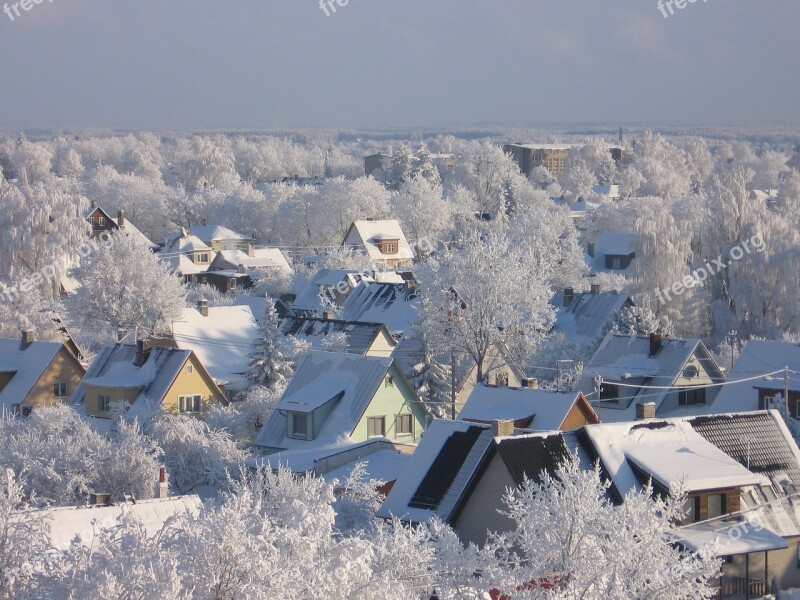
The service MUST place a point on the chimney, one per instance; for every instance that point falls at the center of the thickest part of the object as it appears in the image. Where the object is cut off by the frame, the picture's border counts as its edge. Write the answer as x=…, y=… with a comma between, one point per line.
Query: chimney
x=646, y=410
x=530, y=383
x=99, y=499
x=142, y=352
x=569, y=296
x=241, y=270
x=503, y=428
x=595, y=288
x=27, y=339
x=328, y=315
x=202, y=307
x=655, y=344
x=121, y=219
x=251, y=249
x=590, y=249
x=162, y=487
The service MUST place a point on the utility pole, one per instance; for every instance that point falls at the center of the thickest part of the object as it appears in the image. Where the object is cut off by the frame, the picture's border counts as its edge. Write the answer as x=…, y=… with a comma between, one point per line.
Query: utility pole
x=453, y=383
x=786, y=389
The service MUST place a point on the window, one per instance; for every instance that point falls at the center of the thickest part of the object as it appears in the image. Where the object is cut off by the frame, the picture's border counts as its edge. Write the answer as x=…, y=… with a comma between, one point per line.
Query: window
x=103, y=403
x=716, y=505
x=388, y=249
x=189, y=369
x=101, y=221
x=190, y=404
x=404, y=425
x=202, y=258
x=299, y=425
x=616, y=263
x=376, y=426
x=690, y=510
x=690, y=396
x=609, y=393
x=502, y=379
x=389, y=381
x=60, y=389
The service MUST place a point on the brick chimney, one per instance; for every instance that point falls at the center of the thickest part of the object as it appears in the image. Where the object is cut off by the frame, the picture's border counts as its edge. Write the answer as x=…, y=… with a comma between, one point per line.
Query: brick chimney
x=121, y=219
x=328, y=315
x=251, y=250
x=142, y=352
x=646, y=410
x=569, y=296
x=202, y=307
x=27, y=339
x=530, y=383
x=162, y=487
x=655, y=344
x=595, y=288
x=503, y=428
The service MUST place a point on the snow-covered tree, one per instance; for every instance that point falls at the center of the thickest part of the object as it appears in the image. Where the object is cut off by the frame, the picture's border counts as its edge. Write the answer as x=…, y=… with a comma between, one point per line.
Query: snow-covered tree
x=269, y=365
x=125, y=285
x=568, y=532
x=424, y=214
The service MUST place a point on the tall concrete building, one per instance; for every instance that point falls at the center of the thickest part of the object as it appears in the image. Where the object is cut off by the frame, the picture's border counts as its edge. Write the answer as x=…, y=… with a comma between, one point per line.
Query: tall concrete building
x=552, y=156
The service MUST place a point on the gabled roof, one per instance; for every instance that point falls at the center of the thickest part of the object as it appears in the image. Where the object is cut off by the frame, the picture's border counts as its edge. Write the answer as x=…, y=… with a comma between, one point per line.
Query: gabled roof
x=763, y=356
x=308, y=299
x=187, y=243
x=217, y=233
x=588, y=315
x=545, y=409
x=177, y=251
x=114, y=367
x=528, y=456
x=359, y=336
x=263, y=258
x=27, y=366
x=348, y=380
x=128, y=229
x=222, y=341
x=615, y=243
x=365, y=235
x=387, y=303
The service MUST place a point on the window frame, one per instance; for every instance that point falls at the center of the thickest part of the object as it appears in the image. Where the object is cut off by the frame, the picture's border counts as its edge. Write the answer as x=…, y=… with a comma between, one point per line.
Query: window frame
x=58, y=387
x=400, y=421
x=194, y=406
x=297, y=434
x=371, y=429
x=686, y=394
x=101, y=221
x=104, y=403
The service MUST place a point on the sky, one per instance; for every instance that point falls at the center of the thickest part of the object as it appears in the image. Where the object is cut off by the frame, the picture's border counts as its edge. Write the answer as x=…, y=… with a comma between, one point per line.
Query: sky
x=382, y=64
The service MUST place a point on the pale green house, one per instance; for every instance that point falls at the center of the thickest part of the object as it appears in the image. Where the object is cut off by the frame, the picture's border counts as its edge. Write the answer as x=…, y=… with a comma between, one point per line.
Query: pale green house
x=338, y=399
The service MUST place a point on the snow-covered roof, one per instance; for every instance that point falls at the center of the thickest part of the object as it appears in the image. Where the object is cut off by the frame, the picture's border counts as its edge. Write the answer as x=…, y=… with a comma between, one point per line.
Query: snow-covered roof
x=387, y=303
x=27, y=365
x=546, y=409
x=325, y=281
x=473, y=441
x=131, y=230
x=187, y=243
x=588, y=315
x=348, y=380
x=729, y=537
x=364, y=235
x=114, y=367
x=262, y=258
x=358, y=337
x=222, y=341
x=615, y=243
x=216, y=233
x=382, y=467
x=69, y=523
x=610, y=190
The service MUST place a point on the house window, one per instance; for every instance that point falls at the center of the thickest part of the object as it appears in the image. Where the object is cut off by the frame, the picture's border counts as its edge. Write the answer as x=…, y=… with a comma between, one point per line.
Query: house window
x=389, y=381
x=101, y=221
x=190, y=404
x=202, y=258
x=189, y=369
x=104, y=403
x=299, y=423
x=691, y=396
x=388, y=249
x=716, y=505
x=404, y=425
x=690, y=510
x=376, y=426
x=60, y=389
x=609, y=393
x=502, y=379
x=616, y=263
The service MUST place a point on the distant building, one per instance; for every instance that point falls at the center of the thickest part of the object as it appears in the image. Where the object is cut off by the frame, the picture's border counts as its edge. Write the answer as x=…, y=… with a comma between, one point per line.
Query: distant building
x=380, y=162
x=552, y=156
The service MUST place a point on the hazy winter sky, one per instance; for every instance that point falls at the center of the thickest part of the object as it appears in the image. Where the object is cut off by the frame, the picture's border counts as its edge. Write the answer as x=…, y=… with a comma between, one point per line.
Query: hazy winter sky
x=394, y=63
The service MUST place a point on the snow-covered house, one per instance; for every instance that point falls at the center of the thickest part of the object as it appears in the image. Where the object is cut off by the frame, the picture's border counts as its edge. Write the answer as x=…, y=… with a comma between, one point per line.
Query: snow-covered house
x=651, y=374
x=221, y=238
x=188, y=256
x=367, y=339
x=530, y=409
x=221, y=337
x=102, y=222
x=336, y=402
x=173, y=379
x=609, y=191
x=767, y=358
x=585, y=317
x=35, y=373
x=612, y=251
x=383, y=241
x=266, y=259
x=393, y=304
x=327, y=289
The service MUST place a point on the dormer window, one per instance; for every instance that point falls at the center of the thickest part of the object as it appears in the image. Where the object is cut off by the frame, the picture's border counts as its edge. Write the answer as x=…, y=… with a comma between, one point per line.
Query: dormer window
x=298, y=425
x=202, y=258
x=389, y=246
x=691, y=396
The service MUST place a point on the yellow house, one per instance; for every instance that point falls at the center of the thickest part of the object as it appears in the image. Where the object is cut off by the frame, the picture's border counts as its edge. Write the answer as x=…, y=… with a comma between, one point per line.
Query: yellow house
x=36, y=373
x=171, y=378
